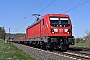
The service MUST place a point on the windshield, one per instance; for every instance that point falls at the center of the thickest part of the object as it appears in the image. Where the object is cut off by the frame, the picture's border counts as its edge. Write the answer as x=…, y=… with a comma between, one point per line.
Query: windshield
x=59, y=21
x=64, y=21
x=54, y=22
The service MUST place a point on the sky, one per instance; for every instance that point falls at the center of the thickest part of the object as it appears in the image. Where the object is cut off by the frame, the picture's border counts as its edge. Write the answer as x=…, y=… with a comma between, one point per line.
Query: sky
x=17, y=14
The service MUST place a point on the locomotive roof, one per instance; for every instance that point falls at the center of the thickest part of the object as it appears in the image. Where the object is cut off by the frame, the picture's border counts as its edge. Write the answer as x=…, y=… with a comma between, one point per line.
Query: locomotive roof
x=57, y=15
x=46, y=15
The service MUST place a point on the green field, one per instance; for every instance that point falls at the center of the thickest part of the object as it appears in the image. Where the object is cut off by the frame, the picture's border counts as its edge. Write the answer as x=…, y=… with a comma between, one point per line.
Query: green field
x=79, y=45
x=9, y=52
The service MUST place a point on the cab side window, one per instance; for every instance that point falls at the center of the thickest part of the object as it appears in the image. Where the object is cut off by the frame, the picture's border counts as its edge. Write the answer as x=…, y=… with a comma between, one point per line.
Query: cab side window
x=43, y=21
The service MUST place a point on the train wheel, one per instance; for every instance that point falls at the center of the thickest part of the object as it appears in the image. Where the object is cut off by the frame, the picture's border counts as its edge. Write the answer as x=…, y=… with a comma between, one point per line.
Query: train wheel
x=44, y=46
x=64, y=47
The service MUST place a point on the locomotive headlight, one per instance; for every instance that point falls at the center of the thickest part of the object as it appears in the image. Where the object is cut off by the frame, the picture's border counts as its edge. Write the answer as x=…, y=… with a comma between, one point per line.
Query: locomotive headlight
x=69, y=31
x=55, y=30
x=52, y=31
x=66, y=30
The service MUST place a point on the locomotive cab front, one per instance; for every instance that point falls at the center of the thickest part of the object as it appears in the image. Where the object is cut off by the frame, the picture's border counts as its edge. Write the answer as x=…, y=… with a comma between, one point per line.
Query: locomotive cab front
x=60, y=32
x=60, y=24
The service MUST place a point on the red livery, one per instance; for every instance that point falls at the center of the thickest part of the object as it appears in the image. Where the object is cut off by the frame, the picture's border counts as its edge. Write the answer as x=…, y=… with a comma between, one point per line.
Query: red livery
x=52, y=31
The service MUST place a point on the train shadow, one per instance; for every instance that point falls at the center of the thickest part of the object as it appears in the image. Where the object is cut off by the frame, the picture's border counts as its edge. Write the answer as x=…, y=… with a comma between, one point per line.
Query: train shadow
x=75, y=49
x=69, y=49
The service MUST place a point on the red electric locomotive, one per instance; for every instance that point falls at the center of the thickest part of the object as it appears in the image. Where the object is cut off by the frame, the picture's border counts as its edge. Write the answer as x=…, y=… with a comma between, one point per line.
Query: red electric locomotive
x=52, y=31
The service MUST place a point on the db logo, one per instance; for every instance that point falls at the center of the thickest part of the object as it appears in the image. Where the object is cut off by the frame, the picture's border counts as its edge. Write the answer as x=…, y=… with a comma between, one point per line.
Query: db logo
x=61, y=30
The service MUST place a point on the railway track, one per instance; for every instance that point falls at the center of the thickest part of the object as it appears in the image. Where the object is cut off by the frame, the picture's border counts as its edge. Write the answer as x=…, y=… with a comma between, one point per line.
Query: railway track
x=74, y=55
x=77, y=55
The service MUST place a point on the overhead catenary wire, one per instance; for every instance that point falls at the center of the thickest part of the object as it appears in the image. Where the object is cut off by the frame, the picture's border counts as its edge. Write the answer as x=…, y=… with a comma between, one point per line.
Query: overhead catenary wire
x=27, y=14
x=41, y=10
x=66, y=11
x=66, y=5
x=37, y=9
x=47, y=6
x=25, y=24
x=20, y=27
x=33, y=18
x=77, y=6
x=33, y=8
x=79, y=2
x=41, y=5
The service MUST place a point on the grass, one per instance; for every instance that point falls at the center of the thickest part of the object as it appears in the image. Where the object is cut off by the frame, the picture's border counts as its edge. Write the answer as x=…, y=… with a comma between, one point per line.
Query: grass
x=9, y=52
x=79, y=45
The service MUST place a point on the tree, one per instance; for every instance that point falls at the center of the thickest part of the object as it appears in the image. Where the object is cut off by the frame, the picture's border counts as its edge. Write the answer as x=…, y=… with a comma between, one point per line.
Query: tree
x=79, y=40
x=87, y=39
x=2, y=33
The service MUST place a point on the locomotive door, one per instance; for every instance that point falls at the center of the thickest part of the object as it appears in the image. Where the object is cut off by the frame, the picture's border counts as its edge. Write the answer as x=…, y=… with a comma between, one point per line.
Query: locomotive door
x=41, y=28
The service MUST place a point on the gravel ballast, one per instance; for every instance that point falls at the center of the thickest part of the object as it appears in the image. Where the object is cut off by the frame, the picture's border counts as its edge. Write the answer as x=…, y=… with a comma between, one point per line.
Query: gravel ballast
x=39, y=54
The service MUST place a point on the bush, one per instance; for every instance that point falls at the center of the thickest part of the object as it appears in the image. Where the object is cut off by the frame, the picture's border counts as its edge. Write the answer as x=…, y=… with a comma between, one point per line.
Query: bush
x=2, y=33
x=87, y=39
